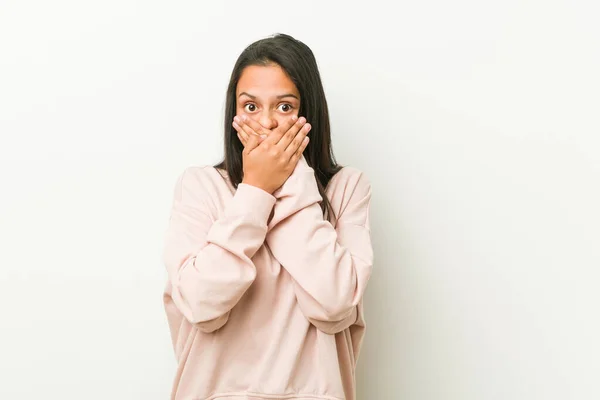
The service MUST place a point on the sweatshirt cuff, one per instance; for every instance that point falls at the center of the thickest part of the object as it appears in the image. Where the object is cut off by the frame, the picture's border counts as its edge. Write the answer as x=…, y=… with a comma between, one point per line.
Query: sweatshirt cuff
x=291, y=186
x=252, y=200
x=300, y=191
x=302, y=185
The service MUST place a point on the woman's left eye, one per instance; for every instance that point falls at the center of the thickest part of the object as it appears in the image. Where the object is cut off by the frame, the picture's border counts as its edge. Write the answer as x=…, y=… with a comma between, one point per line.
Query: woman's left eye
x=285, y=107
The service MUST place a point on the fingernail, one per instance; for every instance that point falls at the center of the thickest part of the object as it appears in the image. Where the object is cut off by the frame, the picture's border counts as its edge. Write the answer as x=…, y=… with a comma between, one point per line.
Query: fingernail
x=263, y=136
x=302, y=120
x=294, y=117
x=244, y=118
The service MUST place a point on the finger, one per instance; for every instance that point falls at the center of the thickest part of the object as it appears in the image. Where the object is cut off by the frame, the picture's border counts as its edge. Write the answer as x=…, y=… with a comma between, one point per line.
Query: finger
x=239, y=124
x=300, y=150
x=241, y=134
x=277, y=133
x=297, y=140
x=249, y=130
x=242, y=140
x=254, y=125
x=251, y=144
x=246, y=136
x=291, y=134
x=246, y=129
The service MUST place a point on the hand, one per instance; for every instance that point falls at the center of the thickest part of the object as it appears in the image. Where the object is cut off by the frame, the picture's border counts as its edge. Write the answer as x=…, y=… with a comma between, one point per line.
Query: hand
x=246, y=126
x=269, y=161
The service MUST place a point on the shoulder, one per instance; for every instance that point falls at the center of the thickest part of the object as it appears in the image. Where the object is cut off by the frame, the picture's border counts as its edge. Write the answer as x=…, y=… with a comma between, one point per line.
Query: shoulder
x=192, y=175
x=350, y=180
x=349, y=192
x=197, y=182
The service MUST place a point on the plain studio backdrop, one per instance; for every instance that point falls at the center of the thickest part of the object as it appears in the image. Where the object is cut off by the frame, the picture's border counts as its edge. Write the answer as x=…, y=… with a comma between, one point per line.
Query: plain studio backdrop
x=476, y=121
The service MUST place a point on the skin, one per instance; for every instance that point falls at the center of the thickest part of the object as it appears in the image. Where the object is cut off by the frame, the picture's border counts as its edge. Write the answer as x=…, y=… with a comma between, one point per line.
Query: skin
x=260, y=95
x=267, y=122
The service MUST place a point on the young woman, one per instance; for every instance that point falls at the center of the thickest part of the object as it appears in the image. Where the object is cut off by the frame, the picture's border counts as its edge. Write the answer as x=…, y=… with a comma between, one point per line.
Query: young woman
x=268, y=253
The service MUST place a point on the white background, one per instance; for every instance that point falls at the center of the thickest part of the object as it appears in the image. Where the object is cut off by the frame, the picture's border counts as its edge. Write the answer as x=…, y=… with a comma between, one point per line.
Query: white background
x=477, y=122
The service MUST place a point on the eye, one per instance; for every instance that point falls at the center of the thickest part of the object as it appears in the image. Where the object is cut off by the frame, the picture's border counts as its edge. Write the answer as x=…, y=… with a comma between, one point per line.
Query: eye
x=250, y=107
x=285, y=107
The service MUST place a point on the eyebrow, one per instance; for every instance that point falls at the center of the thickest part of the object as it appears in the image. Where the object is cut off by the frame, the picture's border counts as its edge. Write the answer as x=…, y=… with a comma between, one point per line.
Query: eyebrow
x=281, y=96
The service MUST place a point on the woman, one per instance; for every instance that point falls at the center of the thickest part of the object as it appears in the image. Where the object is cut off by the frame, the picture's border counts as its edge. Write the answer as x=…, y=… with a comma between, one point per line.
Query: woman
x=269, y=252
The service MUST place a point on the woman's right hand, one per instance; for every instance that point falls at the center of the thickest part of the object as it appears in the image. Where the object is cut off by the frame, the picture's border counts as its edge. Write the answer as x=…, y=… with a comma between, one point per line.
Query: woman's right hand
x=269, y=162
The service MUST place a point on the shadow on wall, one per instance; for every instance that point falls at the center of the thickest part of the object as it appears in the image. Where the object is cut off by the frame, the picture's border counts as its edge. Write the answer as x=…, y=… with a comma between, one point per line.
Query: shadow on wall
x=378, y=371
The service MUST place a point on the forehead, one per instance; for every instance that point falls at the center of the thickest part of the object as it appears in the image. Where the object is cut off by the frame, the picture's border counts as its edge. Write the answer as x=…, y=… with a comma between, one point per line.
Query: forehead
x=265, y=80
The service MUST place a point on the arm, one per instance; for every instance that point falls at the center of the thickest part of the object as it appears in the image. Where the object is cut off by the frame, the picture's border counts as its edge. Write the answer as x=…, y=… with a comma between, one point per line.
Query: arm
x=330, y=266
x=209, y=262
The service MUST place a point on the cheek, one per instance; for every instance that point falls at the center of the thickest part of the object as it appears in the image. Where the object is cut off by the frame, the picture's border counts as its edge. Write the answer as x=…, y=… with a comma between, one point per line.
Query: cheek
x=283, y=118
x=242, y=111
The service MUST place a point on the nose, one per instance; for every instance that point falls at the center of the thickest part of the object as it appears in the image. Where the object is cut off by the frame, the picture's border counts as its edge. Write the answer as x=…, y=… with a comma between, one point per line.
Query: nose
x=267, y=120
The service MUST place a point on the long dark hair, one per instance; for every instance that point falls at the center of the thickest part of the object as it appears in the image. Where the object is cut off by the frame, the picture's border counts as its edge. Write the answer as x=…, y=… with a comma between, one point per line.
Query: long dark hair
x=298, y=61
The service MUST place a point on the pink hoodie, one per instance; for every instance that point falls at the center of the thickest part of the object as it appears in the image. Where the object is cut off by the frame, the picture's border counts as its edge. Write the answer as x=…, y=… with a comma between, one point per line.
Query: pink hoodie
x=267, y=308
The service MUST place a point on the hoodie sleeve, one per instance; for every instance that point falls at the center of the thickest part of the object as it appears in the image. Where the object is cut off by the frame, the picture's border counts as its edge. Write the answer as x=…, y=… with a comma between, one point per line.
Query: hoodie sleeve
x=330, y=266
x=209, y=261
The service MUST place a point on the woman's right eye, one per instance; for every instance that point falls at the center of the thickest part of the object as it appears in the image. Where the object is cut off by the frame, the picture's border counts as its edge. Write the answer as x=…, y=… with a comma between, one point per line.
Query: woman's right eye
x=250, y=107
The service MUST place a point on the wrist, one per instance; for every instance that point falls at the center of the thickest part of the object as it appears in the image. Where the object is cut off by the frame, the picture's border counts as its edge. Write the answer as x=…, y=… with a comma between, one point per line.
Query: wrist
x=257, y=185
